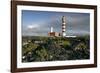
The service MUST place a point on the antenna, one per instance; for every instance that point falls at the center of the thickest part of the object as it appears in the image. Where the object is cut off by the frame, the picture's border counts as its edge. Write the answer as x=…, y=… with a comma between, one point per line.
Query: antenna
x=53, y=23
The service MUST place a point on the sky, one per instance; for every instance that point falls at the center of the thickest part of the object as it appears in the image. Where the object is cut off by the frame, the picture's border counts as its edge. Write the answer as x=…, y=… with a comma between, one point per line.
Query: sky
x=38, y=23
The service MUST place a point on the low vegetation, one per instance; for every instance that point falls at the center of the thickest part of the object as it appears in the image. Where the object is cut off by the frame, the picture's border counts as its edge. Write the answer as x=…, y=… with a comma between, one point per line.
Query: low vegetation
x=36, y=49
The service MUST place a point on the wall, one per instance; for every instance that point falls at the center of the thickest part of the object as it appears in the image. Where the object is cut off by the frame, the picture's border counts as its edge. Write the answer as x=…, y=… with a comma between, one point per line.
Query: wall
x=5, y=36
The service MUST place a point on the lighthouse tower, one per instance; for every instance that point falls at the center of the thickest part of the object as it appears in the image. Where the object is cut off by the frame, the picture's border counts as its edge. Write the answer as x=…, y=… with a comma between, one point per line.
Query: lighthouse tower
x=63, y=26
x=51, y=29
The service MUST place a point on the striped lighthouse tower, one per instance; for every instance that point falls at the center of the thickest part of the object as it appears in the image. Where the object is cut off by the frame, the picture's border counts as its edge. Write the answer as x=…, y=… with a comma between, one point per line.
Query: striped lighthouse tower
x=63, y=26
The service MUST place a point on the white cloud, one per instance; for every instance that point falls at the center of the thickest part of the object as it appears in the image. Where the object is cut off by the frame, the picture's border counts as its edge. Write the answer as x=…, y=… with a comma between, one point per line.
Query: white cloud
x=32, y=26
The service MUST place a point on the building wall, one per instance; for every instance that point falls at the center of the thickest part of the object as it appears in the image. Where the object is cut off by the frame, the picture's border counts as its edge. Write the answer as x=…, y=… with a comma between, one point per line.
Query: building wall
x=54, y=34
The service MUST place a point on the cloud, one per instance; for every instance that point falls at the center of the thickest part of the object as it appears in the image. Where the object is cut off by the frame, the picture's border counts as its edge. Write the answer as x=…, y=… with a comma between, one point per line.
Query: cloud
x=36, y=30
x=33, y=26
x=77, y=32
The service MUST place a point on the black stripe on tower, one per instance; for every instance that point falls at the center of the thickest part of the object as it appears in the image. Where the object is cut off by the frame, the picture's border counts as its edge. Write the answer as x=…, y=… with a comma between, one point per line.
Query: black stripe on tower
x=63, y=24
x=63, y=27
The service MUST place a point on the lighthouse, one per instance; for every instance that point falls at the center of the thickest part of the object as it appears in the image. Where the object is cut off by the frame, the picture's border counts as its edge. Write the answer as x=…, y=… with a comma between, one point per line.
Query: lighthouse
x=52, y=33
x=63, y=26
x=51, y=29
